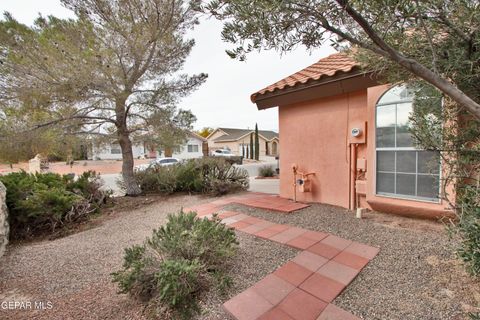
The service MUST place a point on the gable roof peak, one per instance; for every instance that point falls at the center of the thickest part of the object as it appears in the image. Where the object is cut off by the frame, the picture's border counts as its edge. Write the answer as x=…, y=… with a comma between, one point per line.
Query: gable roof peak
x=329, y=66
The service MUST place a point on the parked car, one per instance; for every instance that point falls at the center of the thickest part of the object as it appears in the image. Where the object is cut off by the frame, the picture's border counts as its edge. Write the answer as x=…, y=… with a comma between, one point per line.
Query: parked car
x=222, y=153
x=162, y=162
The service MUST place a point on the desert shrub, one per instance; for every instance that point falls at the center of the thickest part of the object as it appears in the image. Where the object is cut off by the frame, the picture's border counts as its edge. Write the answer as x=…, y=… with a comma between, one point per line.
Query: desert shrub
x=468, y=227
x=188, y=177
x=474, y=316
x=220, y=177
x=185, y=236
x=213, y=176
x=266, y=171
x=43, y=202
x=158, y=179
x=182, y=259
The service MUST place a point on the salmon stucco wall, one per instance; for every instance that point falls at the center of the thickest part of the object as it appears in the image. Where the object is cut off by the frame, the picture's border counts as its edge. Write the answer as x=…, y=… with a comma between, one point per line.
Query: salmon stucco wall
x=315, y=136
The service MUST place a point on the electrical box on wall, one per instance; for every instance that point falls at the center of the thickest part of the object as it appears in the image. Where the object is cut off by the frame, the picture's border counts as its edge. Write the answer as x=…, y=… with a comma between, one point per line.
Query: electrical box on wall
x=358, y=132
x=361, y=187
x=362, y=164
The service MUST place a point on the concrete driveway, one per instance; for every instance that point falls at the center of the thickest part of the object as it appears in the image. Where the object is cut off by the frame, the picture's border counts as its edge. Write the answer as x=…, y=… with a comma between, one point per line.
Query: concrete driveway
x=252, y=168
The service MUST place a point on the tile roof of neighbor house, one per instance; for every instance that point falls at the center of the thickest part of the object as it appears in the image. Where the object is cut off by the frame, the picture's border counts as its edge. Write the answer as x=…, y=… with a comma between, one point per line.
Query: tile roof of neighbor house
x=326, y=67
x=233, y=134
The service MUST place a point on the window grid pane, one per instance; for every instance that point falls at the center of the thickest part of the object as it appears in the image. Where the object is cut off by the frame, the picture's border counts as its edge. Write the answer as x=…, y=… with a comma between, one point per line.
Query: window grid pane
x=408, y=175
x=400, y=187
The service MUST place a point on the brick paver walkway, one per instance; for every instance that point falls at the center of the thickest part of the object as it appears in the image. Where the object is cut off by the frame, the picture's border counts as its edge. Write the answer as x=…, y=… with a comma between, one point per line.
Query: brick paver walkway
x=303, y=288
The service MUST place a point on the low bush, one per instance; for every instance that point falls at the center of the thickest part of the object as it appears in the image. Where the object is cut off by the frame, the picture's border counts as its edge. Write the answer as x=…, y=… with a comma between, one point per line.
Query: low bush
x=214, y=176
x=266, y=171
x=468, y=228
x=231, y=160
x=182, y=259
x=43, y=202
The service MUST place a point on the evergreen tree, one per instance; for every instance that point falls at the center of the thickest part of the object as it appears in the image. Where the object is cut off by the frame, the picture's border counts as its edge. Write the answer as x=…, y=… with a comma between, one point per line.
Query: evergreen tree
x=111, y=68
x=257, y=143
x=251, y=146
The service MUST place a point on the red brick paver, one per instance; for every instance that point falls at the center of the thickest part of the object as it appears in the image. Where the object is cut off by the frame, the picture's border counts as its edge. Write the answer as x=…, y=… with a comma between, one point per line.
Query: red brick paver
x=333, y=312
x=273, y=288
x=324, y=250
x=310, y=260
x=293, y=273
x=301, y=305
x=322, y=287
x=275, y=314
x=248, y=305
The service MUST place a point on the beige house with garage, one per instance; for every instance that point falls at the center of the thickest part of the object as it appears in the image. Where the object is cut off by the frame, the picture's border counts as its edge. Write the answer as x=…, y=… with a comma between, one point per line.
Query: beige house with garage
x=238, y=141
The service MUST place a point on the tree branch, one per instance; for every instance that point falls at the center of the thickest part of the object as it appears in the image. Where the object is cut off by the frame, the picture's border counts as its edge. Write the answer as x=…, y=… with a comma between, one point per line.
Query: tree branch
x=412, y=65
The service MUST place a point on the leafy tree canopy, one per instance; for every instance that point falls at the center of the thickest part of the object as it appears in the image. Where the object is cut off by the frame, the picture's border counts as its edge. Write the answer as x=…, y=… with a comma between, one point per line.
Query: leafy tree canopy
x=205, y=131
x=434, y=40
x=113, y=67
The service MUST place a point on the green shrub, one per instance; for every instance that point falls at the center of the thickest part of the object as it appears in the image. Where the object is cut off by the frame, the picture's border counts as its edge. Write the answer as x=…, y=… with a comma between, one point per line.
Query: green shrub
x=468, y=227
x=158, y=179
x=188, y=177
x=182, y=259
x=43, y=202
x=474, y=316
x=213, y=176
x=266, y=171
x=220, y=177
x=185, y=236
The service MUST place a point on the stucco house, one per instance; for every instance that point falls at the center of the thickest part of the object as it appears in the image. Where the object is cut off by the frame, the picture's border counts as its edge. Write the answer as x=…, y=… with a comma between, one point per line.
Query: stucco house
x=192, y=148
x=340, y=124
x=238, y=141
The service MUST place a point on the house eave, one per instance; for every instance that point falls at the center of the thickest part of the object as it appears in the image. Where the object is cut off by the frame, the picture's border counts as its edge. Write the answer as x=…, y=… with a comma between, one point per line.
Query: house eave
x=331, y=86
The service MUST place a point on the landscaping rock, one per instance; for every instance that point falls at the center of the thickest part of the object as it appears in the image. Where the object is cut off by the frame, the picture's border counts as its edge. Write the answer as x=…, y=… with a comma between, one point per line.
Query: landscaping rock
x=4, y=228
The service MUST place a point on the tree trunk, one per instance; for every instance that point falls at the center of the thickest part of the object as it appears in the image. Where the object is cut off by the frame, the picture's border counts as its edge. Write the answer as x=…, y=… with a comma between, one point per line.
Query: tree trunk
x=132, y=188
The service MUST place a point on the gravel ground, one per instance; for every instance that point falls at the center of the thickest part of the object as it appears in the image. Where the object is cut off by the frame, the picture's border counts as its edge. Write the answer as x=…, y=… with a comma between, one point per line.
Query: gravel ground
x=415, y=275
x=73, y=273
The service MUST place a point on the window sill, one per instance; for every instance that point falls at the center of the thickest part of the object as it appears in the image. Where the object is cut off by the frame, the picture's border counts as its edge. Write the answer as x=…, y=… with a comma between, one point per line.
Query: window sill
x=415, y=199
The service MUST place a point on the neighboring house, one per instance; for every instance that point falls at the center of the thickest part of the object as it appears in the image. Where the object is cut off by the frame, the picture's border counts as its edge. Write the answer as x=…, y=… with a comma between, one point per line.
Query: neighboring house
x=193, y=148
x=340, y=123
x=238, y=141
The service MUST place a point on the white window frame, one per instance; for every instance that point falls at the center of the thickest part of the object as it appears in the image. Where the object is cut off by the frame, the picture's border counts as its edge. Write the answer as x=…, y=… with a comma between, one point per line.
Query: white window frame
x=115, y=149
x=395, y=149
x=192, y=146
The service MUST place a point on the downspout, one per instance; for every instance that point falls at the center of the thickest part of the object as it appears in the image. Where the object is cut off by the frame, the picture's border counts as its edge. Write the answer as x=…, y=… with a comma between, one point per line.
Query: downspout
x=350, y=176
x=353, y=176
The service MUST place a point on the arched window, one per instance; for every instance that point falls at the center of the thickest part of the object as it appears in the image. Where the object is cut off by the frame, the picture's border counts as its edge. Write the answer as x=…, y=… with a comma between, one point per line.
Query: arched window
x=402, y=170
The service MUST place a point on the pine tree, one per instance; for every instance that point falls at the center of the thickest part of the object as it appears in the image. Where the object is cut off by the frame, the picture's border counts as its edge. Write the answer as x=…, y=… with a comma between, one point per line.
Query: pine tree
x=251, y=146
x=111, y=69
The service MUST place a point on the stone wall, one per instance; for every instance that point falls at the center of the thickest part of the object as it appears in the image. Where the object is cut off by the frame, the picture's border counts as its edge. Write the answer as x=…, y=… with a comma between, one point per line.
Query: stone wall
x=3, y=220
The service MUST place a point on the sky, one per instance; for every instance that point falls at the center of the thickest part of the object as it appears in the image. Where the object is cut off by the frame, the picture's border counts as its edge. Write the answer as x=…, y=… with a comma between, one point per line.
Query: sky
x=224, y=99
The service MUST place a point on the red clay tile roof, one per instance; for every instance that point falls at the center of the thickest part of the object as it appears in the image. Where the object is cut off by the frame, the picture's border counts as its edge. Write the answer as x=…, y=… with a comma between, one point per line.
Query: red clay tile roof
x=325, y=67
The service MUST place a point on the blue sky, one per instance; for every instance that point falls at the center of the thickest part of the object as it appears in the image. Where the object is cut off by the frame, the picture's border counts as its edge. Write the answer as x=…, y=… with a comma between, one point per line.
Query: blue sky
x=224, y=100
